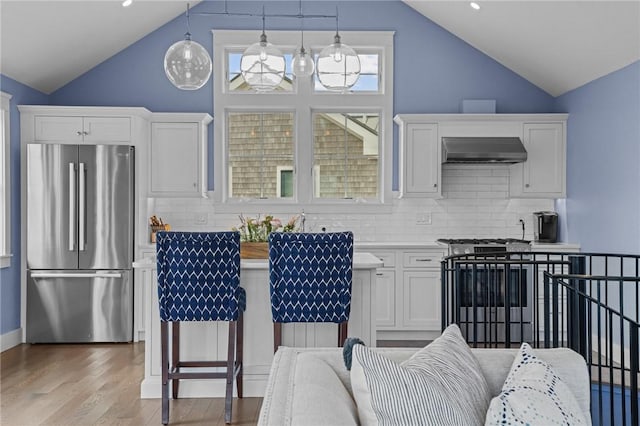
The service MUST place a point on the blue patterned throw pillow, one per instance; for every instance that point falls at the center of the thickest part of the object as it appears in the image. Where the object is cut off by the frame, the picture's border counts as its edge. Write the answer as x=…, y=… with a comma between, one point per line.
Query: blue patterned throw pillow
x=534, y=395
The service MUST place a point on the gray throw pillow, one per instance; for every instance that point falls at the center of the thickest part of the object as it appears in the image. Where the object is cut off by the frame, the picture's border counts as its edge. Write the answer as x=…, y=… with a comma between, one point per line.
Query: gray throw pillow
x=441, y=384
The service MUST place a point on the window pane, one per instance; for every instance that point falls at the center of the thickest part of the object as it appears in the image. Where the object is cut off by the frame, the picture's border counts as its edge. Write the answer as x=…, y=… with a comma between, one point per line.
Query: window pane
x=286, y=183
x=345, y=152
x=236, y=81
x=369, y=80
x=260, y=147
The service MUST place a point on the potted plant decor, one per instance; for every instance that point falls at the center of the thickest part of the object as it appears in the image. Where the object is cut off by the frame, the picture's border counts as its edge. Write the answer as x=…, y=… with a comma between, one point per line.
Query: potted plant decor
x=254, y=234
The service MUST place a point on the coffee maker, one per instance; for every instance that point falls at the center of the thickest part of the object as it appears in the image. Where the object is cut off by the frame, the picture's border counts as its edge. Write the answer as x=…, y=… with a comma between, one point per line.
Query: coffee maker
x=545, y=227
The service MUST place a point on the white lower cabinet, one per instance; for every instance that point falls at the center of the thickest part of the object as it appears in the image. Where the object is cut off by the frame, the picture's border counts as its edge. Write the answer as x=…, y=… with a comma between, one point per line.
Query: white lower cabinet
x=408, y=294
x=143, y=276
x=421, y=300
x=386, y=298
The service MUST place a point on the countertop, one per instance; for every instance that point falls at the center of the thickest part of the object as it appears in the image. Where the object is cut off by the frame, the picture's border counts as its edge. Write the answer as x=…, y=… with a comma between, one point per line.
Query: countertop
x=369, y=245
x=555, y=246
x=361, y=260
x=363, y=246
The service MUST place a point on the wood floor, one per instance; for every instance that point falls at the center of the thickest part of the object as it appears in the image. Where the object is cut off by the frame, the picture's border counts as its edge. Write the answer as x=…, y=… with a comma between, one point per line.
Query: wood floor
x=96, y=384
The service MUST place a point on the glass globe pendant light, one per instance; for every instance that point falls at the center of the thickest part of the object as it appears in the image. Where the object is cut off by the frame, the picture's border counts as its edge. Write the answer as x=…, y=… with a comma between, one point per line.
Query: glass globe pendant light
x=262, y=65
x=338, y=65
x=187, y=64
x=302, y=64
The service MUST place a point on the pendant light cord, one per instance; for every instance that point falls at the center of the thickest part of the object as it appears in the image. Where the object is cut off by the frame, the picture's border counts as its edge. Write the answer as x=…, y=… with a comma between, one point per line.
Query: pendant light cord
x=188, y=34
x=301, y=28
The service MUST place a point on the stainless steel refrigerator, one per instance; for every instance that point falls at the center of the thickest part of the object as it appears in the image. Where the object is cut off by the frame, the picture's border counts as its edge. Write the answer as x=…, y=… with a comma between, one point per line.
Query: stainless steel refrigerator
x=79, y=243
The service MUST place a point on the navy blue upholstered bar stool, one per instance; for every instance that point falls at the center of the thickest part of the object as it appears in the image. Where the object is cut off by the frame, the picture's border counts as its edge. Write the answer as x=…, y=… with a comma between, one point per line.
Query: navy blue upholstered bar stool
x=199, y=280
x=310, y=279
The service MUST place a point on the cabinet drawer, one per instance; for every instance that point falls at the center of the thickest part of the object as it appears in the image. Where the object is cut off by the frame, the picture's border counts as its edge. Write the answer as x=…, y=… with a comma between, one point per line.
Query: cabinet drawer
x=421, y=259
x=388, y=258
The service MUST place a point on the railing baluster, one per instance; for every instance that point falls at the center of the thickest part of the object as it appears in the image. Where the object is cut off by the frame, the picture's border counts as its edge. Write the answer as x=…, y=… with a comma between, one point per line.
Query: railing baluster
x=599, y=355
x=634, y=351
x=554, y=301
x=545, y=295
x=610, y=362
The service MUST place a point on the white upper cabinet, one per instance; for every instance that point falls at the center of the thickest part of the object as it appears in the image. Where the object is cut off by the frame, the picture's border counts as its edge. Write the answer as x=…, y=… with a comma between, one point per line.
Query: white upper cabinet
x=178, y=155
x=84, y=125
x=543, y=175
x=420, y=159
x=92, y=130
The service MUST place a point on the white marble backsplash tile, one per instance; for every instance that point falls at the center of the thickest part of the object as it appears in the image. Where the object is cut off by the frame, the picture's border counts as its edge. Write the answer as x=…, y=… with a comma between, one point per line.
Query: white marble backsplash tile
x=475, y=203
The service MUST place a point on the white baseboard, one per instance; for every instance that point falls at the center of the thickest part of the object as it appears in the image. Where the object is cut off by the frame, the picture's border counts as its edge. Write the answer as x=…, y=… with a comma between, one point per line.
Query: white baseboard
x=10, y=339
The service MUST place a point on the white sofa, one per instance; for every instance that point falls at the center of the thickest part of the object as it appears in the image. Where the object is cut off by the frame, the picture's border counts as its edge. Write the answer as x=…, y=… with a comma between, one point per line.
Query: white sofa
x=311, y=386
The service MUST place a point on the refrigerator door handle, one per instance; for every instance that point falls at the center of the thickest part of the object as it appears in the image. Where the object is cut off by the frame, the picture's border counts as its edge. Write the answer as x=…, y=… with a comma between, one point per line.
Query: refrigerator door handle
x=71, y=275
x=72, y=206
x=82, y=210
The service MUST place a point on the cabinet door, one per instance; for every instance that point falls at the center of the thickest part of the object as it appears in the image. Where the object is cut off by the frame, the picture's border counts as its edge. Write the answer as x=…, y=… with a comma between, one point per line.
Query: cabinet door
x=91, y=130
x=175, y=159
x=107, y=129
x=421, y=300
x=544, y=170
x=385, y=298
x=58, y=129
x=422, y=160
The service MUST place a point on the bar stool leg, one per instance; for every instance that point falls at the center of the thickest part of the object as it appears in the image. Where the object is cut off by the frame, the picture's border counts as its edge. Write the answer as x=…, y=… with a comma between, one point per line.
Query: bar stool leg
x=164, y=338
x=231, y=351
x=239, y=355
x=277, y=336
x=175, y=357
x=342, y=333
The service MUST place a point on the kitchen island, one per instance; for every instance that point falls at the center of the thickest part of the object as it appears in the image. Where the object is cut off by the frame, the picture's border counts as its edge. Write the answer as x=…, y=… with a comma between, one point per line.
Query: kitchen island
x=208, y=340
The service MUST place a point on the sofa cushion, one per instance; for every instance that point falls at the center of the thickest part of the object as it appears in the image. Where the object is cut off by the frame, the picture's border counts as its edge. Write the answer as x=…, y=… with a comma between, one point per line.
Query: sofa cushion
x=441, y=384
x=319, y=396
x=534, y=394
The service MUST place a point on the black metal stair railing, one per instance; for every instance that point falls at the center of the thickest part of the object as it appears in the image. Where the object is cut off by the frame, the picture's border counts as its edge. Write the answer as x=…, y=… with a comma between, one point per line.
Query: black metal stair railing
x=587, y=302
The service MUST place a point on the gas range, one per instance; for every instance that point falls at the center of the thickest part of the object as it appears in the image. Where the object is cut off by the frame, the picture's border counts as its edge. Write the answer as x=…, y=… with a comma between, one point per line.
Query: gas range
x=485, y=245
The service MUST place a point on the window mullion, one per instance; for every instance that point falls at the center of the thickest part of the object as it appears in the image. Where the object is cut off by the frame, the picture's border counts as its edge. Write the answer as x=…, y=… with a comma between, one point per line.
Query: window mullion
x=304, y=143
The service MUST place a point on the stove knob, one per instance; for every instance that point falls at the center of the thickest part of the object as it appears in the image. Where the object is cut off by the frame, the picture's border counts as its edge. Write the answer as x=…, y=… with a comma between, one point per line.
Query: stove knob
x=468, y=250
x=456, y=251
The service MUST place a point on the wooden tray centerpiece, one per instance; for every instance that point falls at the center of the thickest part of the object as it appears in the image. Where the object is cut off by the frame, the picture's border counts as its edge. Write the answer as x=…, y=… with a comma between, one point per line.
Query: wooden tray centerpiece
x=254, y=250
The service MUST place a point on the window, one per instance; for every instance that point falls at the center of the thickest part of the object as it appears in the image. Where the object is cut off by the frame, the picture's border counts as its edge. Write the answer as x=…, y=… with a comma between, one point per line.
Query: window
x=346, y=149
x=302, y=143
x=5, y=182
x=259, y=143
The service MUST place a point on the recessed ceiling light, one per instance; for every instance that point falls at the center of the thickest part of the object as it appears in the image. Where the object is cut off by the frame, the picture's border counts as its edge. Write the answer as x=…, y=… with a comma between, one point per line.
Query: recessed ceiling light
x=474, y=5
x=127, y=3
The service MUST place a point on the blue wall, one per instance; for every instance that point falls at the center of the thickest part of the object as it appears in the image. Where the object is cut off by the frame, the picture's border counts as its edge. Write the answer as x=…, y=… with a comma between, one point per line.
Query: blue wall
x=434, y=70
x=602, y=208
x=10, y=277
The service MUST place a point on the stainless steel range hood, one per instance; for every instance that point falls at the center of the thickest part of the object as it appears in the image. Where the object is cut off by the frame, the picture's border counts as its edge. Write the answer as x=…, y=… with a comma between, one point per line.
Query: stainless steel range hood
x=483, y=150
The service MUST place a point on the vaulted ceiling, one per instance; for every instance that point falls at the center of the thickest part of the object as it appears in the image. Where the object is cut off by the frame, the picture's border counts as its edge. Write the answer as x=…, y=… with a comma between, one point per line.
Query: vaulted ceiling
x=557, y=45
